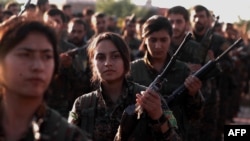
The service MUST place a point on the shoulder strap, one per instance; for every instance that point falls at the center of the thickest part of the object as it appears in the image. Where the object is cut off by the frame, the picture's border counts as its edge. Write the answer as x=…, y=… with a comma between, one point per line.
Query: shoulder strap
x=87, y=112
x=88, y=100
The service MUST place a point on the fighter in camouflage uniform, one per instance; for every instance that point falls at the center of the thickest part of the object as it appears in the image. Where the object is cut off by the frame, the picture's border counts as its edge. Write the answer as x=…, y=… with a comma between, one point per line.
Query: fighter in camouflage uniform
x=191, y=54
x=218, y=85
x=66, y=85
x=157, y=32
x=29, y=57
x=100, y=112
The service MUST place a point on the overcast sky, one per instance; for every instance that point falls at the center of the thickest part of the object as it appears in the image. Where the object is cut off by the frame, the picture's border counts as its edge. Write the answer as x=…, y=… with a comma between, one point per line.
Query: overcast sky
x=227, y=10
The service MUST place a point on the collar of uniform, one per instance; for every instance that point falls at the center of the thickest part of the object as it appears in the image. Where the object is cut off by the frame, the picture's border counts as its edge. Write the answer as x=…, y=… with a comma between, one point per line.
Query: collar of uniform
x=146, y=59
x=100, y=96
x=125, y=85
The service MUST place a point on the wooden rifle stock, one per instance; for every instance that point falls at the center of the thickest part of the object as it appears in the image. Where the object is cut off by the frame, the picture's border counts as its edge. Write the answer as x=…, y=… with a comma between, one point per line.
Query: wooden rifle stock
x=201, y=73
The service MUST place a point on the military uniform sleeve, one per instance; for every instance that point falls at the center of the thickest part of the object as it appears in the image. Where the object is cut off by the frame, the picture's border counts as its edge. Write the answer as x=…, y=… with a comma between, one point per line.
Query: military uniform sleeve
x=193, y=104
x=74, y=114
x=171, y=134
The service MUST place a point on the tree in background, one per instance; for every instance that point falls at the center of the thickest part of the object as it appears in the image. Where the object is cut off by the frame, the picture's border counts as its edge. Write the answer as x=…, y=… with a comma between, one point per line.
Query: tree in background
x=123, y=8
x=3, y=2
x=119, y=8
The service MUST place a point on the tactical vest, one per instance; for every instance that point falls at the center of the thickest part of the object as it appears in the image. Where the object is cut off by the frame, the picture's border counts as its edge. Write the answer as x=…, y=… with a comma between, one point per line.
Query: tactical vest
x=88, y=105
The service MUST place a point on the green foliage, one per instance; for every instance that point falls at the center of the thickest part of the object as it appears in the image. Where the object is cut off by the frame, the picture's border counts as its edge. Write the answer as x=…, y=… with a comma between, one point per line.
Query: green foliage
x=145, y=13
x=244, y=23
x=120, y=8
x=5, y=1
x=123, y=8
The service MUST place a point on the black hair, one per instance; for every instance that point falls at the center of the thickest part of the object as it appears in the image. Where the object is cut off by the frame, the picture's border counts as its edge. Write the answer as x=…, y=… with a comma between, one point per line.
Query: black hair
x=199, y=8
x=119, y=43
x=16, y=30
x=55, y=12
x=179, y=10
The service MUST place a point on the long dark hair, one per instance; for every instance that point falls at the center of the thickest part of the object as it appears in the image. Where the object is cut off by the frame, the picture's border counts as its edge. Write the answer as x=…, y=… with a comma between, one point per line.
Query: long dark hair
x=119, y=43
x=17, y=29
x=154, y=24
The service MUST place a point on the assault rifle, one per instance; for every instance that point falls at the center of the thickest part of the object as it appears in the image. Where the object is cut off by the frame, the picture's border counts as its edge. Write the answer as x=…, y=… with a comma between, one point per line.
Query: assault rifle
x=208, y=37
x=156, y=85
x=74, y=51
x=137, y=129
x=24, y=7
x=201, y=73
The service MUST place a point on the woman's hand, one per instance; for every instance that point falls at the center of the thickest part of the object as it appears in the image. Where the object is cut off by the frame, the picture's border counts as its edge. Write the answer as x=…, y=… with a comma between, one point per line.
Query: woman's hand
x=150, y=101
x=66, y=60
x=193, y=84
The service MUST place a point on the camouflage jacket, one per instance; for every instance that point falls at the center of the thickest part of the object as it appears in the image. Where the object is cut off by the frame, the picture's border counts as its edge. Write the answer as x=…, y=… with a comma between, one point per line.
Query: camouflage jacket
x=185, y=108
x=52, y=127
x=100, y=117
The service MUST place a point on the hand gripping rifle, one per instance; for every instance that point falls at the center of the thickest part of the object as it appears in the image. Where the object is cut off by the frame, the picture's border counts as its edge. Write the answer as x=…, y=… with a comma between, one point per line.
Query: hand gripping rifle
x=156, y=85
x=132, y=128
x=201, y=73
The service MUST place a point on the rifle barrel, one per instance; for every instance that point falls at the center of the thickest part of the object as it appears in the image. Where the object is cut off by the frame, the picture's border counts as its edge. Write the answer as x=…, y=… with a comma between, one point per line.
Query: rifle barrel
x=173, y=58
x=75, y=50
x=159, y=80
x=24, y=7
x=202, y=71
x=236, y=43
